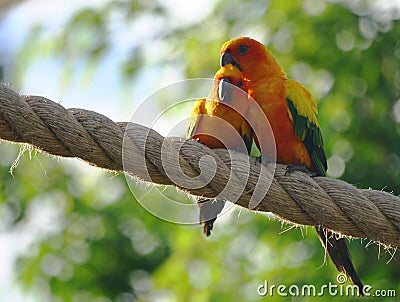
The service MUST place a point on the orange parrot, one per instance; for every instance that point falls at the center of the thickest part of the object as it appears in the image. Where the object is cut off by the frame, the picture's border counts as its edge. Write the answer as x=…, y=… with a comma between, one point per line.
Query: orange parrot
x=218, y=122
x=213, y=119
x=292, y=113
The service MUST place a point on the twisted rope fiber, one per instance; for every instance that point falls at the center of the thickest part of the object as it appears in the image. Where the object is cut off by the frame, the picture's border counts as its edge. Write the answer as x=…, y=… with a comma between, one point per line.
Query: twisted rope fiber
x=295, y=197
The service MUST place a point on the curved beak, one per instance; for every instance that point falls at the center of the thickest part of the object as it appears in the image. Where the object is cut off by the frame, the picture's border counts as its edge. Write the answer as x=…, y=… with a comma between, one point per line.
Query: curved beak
x=225, y=90
x=227, y=58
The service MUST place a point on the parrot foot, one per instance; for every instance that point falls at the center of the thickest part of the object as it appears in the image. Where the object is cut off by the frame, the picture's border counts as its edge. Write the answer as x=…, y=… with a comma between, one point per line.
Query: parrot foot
x=303, y=168
x=264, y=160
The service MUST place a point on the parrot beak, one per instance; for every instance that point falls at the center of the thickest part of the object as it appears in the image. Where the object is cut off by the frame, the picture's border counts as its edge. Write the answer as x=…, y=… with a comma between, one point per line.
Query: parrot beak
x=227, y=58
x=225, y=90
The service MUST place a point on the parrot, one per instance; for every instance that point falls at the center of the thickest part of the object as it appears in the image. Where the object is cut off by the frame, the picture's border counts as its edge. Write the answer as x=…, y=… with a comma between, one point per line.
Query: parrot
x=292, y=113
x=218, y=122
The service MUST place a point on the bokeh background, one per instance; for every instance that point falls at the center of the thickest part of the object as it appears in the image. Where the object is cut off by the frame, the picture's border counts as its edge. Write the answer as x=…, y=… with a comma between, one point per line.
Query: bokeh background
x=70, y=232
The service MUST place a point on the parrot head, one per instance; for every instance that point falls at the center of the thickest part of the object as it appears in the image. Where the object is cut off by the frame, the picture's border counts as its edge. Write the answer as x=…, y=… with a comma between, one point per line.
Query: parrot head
x=219, y=120
x=251, y=57
x=225, y=78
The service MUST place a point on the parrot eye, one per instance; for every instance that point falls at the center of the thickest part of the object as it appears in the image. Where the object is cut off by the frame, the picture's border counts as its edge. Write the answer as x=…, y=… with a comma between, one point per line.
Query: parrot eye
x=239, y=84
x=242, y=49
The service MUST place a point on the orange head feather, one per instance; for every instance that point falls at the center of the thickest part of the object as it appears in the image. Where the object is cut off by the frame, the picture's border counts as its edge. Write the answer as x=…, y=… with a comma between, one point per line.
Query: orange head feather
x=252, y=58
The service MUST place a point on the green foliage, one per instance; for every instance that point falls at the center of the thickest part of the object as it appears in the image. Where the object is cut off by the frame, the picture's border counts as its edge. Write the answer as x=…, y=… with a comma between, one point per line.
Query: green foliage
x=100, y=245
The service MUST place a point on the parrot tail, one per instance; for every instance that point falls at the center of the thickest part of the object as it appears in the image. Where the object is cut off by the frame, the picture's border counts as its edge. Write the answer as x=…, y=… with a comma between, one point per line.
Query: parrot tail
x=339, y=253
x=209, y=209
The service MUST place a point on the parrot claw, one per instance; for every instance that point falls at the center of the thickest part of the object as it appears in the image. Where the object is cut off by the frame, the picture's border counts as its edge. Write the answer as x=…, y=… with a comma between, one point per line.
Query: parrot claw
x=303, y=168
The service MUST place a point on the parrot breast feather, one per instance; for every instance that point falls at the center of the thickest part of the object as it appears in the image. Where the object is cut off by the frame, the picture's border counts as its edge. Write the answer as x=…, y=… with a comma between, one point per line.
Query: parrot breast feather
x=303, y=113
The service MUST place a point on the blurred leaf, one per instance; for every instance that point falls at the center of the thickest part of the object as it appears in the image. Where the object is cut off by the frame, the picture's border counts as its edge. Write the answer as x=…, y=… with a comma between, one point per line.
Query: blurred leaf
x=100, y=244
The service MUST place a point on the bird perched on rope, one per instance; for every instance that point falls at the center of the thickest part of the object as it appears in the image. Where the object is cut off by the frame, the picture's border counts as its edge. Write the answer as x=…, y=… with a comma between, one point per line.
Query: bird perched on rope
x=218, y=122
x=292, y=113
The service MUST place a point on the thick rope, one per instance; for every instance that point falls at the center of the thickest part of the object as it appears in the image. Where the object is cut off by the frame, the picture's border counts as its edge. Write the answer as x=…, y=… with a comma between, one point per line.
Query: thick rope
x=294, y=197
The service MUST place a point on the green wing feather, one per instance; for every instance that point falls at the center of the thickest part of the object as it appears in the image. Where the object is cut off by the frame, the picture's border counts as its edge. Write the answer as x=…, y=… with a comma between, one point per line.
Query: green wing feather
x=247, y=134
x=303, y=112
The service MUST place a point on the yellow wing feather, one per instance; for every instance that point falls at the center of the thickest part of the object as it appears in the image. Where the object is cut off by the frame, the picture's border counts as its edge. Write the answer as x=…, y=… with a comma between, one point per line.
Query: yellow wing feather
x=302, y=100
x=198, y=110
x=303, y=111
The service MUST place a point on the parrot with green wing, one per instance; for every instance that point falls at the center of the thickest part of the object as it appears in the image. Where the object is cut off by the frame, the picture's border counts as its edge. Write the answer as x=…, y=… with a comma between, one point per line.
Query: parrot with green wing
x=292, y=114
